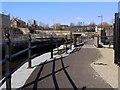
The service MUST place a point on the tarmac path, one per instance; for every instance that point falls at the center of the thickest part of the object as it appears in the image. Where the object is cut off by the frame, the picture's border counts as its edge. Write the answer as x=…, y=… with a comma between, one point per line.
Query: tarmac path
x=73, y=72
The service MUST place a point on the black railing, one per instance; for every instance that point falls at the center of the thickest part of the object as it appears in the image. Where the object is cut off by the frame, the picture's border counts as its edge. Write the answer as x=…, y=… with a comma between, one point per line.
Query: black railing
x=117, y=39
x=101, y=41
x=8, y=56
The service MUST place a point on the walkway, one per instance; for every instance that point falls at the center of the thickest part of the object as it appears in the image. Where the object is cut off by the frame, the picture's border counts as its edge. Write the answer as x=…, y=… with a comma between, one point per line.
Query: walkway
x=73, y=71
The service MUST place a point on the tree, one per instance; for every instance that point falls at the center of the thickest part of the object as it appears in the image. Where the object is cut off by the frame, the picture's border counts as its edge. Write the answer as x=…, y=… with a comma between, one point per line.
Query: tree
x=57, y=26
x=92, y=26
x=72, y=24
x=79, y=23
x=104, y=25
x=41, y=24
x=46, y=26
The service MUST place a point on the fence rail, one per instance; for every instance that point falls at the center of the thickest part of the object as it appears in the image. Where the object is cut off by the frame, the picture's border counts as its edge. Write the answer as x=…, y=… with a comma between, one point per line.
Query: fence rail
x=52, y=41
x=101, y=41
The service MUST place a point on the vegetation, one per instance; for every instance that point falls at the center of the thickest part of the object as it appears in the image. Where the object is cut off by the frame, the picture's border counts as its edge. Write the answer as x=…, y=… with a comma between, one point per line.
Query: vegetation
x=104, y=25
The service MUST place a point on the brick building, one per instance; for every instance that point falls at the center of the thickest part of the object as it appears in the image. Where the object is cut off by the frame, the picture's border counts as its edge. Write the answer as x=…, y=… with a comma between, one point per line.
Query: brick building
x=15, y=22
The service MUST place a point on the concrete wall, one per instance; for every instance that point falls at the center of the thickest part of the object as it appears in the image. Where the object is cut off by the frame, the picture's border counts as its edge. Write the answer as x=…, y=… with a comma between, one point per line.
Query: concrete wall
x=57, y=32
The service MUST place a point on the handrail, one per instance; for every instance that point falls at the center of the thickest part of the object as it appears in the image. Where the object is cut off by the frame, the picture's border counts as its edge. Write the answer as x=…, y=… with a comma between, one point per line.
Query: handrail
x=18, y=53
x=30, y=47
x=2, y=61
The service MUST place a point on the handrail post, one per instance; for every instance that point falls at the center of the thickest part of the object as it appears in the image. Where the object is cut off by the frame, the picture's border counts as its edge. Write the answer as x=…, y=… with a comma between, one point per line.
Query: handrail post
x=75, y=40
x=81, y=39
x=29, y=52
x=66, y=43
x=70, y=40
x=51, y=42
x=8, y=60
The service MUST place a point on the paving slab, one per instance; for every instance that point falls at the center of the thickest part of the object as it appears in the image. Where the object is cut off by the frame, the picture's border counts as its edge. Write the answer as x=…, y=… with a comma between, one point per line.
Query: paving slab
x=106, y=68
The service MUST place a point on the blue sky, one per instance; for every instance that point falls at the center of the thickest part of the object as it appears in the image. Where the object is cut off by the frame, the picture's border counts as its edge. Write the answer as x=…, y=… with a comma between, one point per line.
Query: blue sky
x=61, y=12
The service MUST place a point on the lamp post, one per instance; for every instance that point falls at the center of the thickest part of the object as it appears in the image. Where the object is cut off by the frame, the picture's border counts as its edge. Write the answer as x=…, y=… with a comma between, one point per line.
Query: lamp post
x=101, y=20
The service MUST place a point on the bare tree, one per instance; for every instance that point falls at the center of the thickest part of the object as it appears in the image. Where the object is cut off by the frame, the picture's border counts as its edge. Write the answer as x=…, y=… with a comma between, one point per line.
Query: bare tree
x=79, y=23
x=72, y=24
x=92, y=26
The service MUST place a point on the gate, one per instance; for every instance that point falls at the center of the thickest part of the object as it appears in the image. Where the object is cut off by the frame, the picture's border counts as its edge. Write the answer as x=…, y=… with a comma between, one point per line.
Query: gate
x=117, y=39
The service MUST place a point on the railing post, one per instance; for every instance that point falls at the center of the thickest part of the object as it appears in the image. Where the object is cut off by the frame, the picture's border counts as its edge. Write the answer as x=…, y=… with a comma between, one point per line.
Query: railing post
x=29, y=52
x=75, y=40
x=8, y=60
x=70, y=40
x=66, y=43
x=82, y=39
x=98, y=41
x=51, y=42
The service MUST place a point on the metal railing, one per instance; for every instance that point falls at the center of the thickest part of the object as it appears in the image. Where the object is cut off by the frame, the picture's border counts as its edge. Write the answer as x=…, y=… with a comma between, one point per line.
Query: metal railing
x=101, y=41
x=117, y=39
x=8, y=56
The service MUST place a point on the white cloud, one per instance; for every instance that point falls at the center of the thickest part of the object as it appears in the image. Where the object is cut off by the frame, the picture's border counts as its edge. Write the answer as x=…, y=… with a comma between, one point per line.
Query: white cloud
x=79, y=18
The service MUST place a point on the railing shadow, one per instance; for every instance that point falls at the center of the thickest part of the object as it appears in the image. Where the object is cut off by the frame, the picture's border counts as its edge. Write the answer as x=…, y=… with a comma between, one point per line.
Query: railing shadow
x=39, y=74
x=54, y=77
x=68, y=76
x=39, y=77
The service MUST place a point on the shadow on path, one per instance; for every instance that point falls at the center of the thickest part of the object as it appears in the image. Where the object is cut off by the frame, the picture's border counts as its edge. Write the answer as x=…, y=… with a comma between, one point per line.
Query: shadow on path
x=69, y=78
x=39, y=77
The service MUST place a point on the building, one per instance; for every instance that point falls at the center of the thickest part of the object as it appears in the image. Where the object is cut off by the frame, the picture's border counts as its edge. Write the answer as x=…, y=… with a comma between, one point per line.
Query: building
x=32, y=23
x=79, y=28
x=4, y=21
x=15, y=22
x=64, y=27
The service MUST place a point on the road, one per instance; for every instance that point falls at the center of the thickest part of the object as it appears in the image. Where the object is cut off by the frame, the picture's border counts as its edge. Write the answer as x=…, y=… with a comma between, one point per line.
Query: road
x=73, y=71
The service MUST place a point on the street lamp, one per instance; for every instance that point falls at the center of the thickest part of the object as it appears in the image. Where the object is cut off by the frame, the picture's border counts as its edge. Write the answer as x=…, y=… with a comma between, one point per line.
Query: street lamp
x=101, y=20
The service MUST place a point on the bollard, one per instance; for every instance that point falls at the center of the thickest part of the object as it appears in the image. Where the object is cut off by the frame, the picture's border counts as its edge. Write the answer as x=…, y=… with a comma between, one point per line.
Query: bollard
x=66, y=43
x=51, y=43
x=98, y=41
x=29, y=52
x=8, y=60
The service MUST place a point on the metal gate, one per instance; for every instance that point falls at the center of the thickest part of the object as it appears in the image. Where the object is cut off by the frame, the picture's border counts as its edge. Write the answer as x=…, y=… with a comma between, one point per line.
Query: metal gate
x=117, y=39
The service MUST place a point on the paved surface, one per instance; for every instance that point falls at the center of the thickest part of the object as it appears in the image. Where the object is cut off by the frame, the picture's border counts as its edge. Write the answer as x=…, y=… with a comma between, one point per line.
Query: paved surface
x=106, y=64
x=73, y=71
x=20, y=76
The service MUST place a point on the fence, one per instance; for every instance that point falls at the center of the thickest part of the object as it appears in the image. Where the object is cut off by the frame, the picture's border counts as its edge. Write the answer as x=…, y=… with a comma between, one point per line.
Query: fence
x=8, y=56
x=103, y=41
x=117, y=39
